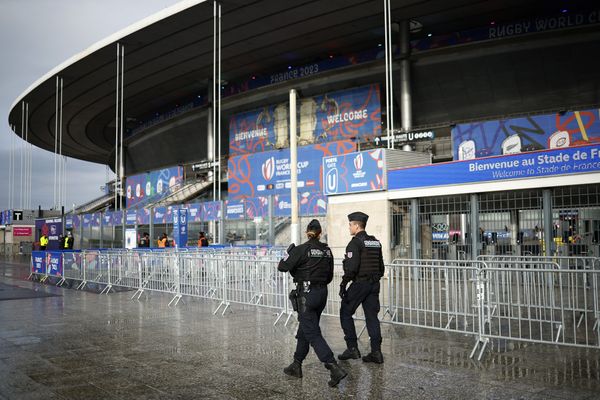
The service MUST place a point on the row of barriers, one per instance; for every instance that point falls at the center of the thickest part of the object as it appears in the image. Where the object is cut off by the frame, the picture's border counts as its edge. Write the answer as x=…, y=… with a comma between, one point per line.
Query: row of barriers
x=552, y=300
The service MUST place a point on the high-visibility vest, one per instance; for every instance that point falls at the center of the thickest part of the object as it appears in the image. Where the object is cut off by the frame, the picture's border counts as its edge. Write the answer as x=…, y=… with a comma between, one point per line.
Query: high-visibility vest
x=43, y=241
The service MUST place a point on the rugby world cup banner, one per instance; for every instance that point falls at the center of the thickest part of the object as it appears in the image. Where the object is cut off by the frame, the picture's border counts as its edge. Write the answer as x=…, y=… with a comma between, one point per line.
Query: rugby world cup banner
x=520, y=135
x=309, y=204
x=160, y=215
x=211, y=211
x=573, y=160
x=194, y=212
x=256, y=207
x=350, y=114
x=363, y=171
x=153, y=186
x=262, y=174
x=180, y=226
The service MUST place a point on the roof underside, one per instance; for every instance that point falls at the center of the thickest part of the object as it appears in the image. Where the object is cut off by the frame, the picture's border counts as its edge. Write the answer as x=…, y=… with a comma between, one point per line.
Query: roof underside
x=173, y=59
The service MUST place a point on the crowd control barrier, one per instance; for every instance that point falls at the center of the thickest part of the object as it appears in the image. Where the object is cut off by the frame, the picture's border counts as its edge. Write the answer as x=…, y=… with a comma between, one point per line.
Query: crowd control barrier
x=548, y=300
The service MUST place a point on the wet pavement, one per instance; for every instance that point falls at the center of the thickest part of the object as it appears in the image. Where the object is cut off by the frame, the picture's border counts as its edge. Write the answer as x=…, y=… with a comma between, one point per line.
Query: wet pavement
x=82, y=345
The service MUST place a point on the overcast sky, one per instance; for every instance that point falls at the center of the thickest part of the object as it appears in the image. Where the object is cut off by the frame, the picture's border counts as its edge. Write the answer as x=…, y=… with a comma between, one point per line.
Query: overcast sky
x=38, y=35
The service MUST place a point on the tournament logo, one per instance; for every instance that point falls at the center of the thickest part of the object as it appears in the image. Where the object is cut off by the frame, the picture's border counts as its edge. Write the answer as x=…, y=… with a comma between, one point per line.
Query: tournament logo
x=268, y=169
x=331, y=181
x=358, y=162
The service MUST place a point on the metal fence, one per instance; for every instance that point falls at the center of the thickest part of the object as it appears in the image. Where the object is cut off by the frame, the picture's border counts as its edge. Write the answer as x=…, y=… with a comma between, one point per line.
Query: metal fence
x=553, y=300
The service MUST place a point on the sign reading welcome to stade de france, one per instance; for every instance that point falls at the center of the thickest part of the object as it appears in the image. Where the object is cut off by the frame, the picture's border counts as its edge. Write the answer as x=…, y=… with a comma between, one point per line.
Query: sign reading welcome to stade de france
x=350, y=114
x=262, y=174
x=354, y=172
x=573, y=160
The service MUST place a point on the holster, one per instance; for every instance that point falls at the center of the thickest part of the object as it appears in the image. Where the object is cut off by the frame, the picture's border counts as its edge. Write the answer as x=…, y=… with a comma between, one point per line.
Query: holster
x=294, y=299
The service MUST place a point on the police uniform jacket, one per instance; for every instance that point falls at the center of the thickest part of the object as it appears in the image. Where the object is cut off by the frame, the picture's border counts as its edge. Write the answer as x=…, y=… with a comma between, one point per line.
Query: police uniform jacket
x=363, y=260
x=311, y=261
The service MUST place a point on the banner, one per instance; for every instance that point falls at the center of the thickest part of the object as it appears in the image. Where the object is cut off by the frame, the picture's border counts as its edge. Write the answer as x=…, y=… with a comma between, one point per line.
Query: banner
x=261, y=174
x=180, y=230
x=354, y=172
x=38, y=262
x=131, y=217
x=520, y=135
x=160, y=215
x=574, y=160
x=309, y=204
x=52, y=228
x=130, y=238
x=234, y=209
x=71, y=260
x=211, y=211
x=194, y=212
x=22, y=231
x=54, y=266
x=153, y=186
x=353, y=114
x=256, y=207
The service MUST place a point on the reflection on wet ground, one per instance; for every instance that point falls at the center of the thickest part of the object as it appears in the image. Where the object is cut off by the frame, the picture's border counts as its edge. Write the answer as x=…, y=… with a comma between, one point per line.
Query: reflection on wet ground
x=85, y=345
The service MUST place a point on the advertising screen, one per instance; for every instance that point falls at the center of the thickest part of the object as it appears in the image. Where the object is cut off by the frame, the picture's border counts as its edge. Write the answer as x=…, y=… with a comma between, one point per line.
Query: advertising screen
x=150, y=187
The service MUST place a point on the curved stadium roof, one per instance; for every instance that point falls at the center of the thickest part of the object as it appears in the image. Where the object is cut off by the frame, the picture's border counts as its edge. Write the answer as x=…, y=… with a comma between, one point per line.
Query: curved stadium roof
x=169, y=57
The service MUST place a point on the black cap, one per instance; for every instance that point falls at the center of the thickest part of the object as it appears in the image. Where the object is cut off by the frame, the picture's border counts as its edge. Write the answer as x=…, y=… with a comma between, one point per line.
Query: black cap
x=358, y=216
x=313, y=226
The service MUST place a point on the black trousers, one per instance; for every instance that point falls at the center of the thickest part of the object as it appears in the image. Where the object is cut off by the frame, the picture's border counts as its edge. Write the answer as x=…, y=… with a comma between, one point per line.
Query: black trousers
x=367, y=294
x=311, y=306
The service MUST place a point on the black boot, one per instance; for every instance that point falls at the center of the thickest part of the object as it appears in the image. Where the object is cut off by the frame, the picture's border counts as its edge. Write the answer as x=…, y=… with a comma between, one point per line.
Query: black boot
x=294, y=369
x=374, y=357
x=336, y=373
x=350, y=353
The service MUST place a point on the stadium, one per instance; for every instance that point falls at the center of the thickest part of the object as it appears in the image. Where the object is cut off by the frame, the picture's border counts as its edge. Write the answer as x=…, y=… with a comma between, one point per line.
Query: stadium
x=463, y=128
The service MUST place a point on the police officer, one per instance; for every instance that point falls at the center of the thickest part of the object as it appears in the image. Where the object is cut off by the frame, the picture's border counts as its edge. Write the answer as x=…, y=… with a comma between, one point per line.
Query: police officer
x=311, y=266
x=363, y=265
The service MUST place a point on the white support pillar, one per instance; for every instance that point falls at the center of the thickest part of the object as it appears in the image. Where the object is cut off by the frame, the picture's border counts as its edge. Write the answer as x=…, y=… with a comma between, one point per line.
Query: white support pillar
x=295, y=233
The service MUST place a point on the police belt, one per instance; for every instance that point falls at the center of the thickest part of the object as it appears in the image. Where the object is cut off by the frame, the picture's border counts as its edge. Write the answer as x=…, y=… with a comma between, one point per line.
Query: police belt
x=368, y=278
x=311, y=284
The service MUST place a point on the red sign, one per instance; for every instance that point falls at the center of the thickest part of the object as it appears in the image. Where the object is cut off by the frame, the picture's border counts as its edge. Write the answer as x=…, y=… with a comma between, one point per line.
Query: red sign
x=22, y=231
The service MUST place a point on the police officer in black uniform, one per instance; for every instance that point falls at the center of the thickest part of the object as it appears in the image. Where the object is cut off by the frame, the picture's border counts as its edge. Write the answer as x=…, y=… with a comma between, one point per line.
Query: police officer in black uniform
x=363, y=265
x=311, y=265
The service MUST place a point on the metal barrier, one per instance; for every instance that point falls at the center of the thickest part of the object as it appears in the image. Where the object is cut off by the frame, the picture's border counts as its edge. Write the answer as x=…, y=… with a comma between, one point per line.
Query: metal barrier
x=552, y=300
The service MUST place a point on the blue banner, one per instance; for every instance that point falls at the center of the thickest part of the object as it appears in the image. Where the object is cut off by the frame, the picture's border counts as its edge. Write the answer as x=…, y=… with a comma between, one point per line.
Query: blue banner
x=354, y=172
x=309, y=205
x=211, y=211
x=180, y=231
x=194, y=212
x=261, y=174
x=256, y=207
x=38, y=262
x=54, y=266
x=234, y=209
x=153, y=186
x=574, y=160
x=131, y=217
x=520, y=135
x=353, y=114
x=52, y=228
x=71, y=260
x=86, y=220
x=160, y=215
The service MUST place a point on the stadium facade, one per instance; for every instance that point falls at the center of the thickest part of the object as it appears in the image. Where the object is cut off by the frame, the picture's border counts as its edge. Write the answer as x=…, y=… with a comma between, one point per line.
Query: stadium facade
x=482, y=138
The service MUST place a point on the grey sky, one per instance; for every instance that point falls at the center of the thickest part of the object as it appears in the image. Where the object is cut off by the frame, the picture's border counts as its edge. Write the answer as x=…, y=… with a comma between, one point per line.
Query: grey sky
x=37, y=35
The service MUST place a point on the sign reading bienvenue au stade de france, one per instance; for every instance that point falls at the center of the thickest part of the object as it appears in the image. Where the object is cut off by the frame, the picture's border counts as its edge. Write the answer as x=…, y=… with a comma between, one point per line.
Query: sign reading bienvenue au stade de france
x=567, y=161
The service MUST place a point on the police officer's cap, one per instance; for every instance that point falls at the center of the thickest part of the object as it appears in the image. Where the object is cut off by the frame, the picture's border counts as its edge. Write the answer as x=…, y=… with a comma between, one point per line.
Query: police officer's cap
x=358, y=216
x=313, y=226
